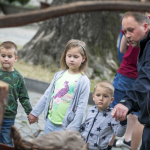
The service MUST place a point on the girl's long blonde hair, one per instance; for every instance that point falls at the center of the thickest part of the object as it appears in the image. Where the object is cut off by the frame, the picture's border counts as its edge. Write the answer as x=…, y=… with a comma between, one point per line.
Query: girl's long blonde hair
x=82, y=49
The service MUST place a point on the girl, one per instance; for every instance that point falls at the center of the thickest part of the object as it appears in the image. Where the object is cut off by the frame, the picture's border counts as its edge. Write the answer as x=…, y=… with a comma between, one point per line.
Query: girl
x=65, y=101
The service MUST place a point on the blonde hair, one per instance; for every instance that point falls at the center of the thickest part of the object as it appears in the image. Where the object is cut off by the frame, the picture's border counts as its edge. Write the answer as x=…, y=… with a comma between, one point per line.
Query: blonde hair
x=9, y=45
x=107, y=85
x=140, y=17
x=82, y=49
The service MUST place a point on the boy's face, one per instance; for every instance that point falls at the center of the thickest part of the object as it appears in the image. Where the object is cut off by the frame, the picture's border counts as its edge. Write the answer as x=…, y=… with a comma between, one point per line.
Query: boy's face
x=102, y=98
x=7, y=59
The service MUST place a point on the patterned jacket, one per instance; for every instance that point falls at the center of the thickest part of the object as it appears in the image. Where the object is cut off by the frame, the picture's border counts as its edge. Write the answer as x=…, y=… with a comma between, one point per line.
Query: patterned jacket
x=75, y=112
x=99, y=127
x=17, y=91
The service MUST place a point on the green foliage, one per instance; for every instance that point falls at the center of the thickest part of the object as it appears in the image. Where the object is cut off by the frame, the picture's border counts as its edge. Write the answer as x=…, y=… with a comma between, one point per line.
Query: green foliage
x=10, y=1
x=93, y=83
x=97, y=72
x=22, y=2
x=24, y=122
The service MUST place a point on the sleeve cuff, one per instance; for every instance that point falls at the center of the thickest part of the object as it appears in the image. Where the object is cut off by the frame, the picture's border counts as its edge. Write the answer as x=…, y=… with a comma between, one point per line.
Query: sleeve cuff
x=122, y=32
x=123, y=123
x=128, y=104
x=34, y=114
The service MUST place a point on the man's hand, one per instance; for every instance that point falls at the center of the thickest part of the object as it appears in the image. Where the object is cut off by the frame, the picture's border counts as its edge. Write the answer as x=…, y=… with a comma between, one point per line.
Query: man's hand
x=119, y=112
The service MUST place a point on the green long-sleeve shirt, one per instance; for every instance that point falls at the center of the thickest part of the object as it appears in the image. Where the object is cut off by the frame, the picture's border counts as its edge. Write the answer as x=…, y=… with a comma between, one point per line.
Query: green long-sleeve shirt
x=17, y=90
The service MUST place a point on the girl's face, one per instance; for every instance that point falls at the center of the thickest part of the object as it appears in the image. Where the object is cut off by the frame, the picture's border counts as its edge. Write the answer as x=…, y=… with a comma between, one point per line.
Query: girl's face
x=74, y=59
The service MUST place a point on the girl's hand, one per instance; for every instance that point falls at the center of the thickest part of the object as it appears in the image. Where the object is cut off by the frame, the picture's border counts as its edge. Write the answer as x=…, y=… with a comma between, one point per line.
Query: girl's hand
x=32, y=119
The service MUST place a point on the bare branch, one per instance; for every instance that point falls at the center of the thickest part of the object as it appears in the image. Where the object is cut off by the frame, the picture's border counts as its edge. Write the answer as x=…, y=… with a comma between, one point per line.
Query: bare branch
x=71, y=8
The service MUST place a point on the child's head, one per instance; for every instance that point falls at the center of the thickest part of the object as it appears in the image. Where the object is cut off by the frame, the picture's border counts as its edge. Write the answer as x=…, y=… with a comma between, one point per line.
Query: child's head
x=103, y=95
x=8, y=55
x=74, y=56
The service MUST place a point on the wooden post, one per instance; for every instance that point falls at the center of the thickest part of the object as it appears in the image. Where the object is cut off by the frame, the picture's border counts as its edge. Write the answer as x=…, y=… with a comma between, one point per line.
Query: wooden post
x=4, y=87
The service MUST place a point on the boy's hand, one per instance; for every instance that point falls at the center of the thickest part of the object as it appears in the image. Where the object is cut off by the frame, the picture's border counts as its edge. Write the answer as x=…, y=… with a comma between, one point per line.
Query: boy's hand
x=32, y=119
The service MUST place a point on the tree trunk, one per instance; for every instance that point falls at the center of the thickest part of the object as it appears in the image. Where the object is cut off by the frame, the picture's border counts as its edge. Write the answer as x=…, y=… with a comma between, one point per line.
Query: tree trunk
x=99, y=30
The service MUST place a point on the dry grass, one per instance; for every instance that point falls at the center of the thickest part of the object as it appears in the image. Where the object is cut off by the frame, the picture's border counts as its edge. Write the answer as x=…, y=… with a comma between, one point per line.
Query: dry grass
x=40, y=73
x=36, y=72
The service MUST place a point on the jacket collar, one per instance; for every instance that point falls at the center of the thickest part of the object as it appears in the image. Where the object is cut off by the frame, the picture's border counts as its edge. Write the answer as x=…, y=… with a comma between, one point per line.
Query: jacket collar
x=103, y=111
x=143, y=44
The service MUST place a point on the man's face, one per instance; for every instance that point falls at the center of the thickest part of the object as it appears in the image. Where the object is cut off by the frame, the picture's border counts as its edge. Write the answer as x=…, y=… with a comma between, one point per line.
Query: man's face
x=134, y=31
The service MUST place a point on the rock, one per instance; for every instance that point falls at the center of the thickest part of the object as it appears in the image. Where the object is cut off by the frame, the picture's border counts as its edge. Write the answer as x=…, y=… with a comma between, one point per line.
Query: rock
x=113, y=64
x=97, y=78
x=106, y=75
x=89, y=72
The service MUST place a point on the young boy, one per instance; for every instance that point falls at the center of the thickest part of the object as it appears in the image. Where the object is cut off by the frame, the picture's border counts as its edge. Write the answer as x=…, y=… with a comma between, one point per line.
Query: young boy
x=17, y=89
x=99, y=127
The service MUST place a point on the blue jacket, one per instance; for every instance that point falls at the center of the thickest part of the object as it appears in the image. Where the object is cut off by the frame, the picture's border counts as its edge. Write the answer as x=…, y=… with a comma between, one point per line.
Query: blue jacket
x=78, y=103
x=99, y=127
x=138, y=97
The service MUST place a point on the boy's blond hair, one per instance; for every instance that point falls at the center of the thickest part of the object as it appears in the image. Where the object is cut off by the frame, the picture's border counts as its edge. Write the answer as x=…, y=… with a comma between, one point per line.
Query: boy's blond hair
x=82, y=49
x=107, y=85
x=9, y=45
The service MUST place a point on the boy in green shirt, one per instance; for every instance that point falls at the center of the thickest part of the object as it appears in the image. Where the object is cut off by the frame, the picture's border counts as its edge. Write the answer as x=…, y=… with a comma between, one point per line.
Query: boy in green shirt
x=17, y=89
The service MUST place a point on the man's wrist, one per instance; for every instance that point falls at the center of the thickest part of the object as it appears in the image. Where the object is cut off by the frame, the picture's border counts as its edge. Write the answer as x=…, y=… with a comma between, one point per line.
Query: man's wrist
x=124, y=122
x=127, y=103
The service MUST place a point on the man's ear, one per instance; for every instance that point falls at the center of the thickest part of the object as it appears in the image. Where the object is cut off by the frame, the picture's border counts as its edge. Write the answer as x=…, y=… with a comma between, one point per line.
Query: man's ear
x=146, y=27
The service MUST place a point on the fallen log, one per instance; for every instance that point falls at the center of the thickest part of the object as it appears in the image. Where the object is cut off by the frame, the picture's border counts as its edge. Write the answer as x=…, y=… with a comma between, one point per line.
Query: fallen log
x=71, y=8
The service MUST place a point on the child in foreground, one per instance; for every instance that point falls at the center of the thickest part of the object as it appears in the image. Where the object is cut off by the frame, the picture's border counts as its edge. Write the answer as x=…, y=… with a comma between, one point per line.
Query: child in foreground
x=17, y=89
x=65, y=100
x=99, y=127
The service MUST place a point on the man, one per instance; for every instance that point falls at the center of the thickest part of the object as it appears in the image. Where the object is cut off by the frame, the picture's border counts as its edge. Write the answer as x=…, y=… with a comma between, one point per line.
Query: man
x=124, y=80
x=136, y=27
